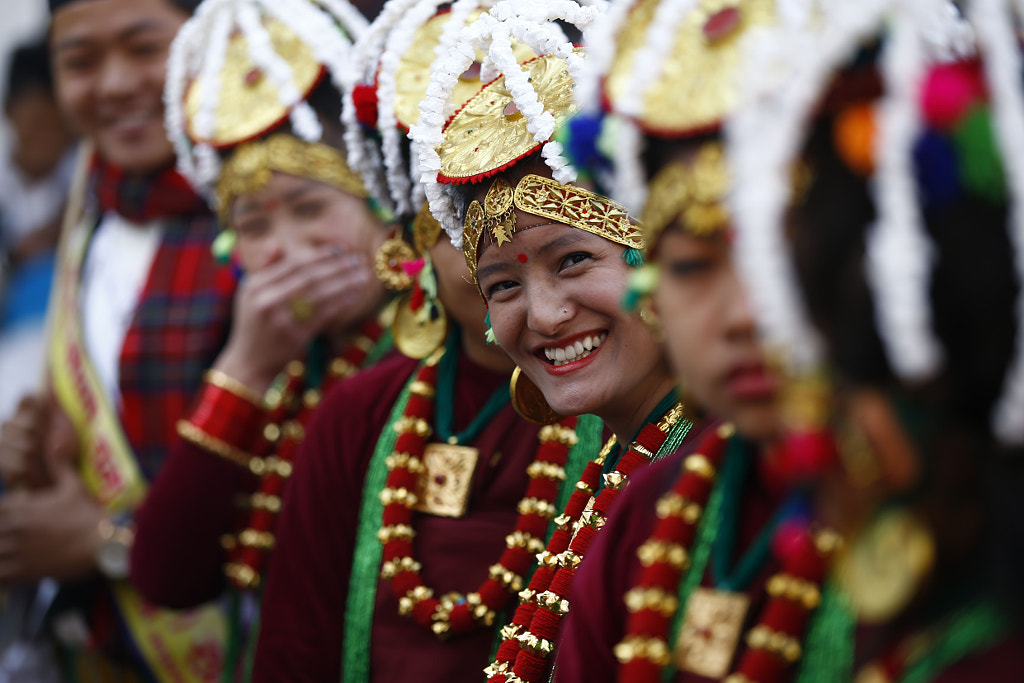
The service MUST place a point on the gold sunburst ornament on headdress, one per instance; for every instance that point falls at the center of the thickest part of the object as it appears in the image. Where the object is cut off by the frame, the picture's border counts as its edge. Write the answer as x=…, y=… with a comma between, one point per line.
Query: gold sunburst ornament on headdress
x=249, y=103
x=697, y=86
x=489, y=133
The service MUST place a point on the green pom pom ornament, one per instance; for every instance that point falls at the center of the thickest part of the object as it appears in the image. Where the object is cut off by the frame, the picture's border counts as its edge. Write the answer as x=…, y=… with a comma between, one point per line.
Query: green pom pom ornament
x=223, y=246
x=641, y=284
x=634, y=257
x=981, y=168
x=489, y=335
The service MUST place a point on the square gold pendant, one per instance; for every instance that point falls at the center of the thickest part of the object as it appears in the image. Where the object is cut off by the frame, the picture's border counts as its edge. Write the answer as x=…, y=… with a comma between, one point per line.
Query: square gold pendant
x=710, y=632
x=447, y=480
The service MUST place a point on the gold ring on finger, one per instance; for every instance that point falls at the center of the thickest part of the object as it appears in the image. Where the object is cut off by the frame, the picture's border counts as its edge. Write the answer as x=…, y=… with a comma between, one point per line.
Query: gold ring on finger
x=302, y=309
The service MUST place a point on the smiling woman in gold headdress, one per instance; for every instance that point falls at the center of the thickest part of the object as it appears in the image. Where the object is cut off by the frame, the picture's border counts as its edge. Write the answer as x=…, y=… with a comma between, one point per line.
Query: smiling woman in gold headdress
x=421, y=496
x=552, y=260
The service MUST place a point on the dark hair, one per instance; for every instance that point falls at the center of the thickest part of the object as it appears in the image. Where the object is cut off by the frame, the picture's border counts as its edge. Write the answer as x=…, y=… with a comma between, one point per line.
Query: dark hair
x=188, y=6
x=28, y=69
x=974, y=289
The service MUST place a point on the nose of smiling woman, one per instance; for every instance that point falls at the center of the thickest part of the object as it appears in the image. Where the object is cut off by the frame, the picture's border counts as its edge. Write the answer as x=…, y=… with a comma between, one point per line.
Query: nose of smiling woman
x=546, y=312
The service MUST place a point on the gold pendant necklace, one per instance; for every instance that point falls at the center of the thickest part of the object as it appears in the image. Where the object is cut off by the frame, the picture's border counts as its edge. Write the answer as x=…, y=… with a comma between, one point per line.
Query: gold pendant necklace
x=448, y=478
x=711, y=631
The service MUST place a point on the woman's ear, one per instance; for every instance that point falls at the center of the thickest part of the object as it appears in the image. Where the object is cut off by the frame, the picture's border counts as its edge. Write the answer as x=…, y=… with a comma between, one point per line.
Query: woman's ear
x=872, y=412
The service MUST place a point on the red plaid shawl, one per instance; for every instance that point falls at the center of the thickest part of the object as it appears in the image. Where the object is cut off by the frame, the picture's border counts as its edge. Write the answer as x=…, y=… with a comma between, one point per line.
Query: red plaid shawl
x=184, y=311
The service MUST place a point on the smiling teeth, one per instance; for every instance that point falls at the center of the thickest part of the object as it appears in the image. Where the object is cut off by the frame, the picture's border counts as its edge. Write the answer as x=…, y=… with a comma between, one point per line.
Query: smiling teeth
x=578, y=349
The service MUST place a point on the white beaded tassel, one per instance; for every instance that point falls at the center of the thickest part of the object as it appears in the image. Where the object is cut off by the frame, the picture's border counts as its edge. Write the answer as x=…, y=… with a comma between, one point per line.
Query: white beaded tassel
x=779, y=87
x=994, y=25
x=399, y=40
x=899, y=255
x=364, y=155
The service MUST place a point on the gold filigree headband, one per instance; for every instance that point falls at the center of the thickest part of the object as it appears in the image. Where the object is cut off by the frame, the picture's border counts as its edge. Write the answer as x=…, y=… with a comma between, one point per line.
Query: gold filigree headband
x=250, y=168
x=545, y=198
x=693, y=193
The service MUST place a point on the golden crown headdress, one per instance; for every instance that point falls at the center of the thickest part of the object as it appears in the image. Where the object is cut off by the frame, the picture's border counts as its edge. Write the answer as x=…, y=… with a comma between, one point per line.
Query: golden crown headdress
x=394, y=59
x=240, y=68
x=514, y=115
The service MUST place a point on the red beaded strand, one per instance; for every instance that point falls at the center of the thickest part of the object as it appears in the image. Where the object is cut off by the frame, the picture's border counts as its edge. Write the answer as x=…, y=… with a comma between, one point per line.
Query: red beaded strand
x=283, y=432
x=774, y=643
x=454, y=613
x=529, y=641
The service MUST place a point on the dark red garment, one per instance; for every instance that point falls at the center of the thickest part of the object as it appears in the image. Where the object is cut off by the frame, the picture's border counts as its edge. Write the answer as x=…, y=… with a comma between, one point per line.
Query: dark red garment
x=597, y=620
x=177, y=557
x=598, y=617
x=307, y=584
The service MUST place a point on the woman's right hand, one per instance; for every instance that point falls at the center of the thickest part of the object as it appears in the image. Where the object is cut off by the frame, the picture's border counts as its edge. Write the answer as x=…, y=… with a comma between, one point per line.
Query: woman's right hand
x=281, y=307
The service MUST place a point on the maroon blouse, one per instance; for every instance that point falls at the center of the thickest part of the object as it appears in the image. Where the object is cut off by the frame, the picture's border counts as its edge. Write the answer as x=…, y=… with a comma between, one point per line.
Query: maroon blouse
x=308, y=579
x=598, y=617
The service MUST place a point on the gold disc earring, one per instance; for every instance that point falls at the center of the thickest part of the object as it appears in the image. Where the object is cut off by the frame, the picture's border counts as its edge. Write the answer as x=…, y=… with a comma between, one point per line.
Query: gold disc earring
x=419, y=333
x=883, y=568
x=387, y=264
x=529, y=402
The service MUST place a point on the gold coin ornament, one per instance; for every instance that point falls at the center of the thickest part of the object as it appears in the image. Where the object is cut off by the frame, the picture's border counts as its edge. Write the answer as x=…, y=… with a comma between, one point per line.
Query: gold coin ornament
x=425, y=230
x=249, y=102
x=883, y=568
x=388, y=264
x=418, y=333
x=529, y=401
x=706, y=54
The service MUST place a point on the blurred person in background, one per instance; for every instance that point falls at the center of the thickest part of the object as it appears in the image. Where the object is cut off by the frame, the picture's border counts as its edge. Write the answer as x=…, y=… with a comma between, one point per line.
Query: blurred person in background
x=34, y=181
x=140, y=310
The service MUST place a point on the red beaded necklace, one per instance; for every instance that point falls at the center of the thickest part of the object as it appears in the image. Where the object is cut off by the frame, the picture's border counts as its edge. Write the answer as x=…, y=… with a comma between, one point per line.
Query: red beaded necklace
x=283, y=432
x=454, y=613
x=529, y=641
x=774, y=643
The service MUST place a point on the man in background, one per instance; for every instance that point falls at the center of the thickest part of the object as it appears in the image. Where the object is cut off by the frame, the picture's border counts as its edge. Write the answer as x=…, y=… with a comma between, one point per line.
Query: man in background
x=139, y=311
x=34, y=182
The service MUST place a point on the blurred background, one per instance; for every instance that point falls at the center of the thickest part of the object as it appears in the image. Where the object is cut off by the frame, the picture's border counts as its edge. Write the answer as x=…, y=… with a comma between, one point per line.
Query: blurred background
x=23, y=21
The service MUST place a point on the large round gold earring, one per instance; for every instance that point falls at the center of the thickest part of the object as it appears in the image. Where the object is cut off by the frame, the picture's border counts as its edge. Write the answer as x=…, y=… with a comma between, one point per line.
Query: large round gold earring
x=883, y=567
x=387, y=264
x=529, y=402
x=419, y=333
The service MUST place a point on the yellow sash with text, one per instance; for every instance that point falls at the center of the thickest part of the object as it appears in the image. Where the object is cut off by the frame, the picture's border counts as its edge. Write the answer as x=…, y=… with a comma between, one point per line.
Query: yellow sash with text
x=186, y=646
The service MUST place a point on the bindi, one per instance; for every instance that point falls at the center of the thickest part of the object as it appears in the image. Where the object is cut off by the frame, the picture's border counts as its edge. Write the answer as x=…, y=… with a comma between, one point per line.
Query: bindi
x=522, y=258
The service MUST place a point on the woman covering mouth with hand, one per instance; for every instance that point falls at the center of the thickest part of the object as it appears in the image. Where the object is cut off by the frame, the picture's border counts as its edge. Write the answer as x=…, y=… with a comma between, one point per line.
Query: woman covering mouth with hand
x=552, y=261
